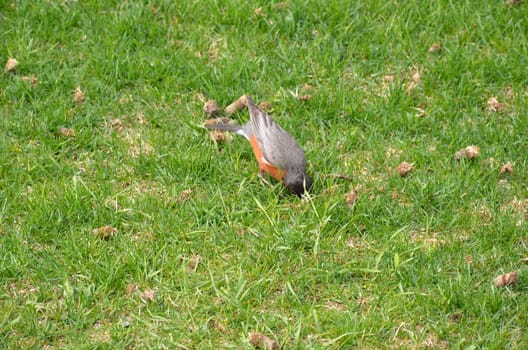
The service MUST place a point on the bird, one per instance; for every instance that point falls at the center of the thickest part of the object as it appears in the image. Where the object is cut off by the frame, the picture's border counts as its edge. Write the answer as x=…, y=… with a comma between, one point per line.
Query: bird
x=277, y=152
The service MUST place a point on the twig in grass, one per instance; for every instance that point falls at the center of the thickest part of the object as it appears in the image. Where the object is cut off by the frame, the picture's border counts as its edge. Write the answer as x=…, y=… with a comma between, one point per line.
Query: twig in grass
x=340, y=176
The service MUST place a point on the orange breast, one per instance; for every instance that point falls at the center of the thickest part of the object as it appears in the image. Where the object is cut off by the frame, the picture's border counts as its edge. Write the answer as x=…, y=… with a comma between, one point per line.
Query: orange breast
x=264, y=165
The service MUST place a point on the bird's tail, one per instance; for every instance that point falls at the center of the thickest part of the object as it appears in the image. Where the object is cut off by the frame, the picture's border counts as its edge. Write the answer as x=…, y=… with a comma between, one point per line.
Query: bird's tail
x=226, y=127
x=237, y=129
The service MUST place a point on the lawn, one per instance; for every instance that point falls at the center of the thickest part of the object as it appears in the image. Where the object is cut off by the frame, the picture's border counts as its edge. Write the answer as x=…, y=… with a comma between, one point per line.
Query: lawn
x=123, y=225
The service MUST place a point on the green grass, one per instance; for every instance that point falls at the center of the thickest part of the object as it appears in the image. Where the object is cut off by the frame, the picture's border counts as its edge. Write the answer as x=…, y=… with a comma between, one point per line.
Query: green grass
x=409, y=265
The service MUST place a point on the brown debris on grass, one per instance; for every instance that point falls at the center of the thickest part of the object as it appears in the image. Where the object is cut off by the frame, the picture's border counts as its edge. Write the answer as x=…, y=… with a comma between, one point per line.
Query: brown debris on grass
x=137, y=145
x=506, y=168
x=30, y=79
x=305, y=94
x=405, y=168
x=493, y=105
x=22, y=288
x=131, y=288
x=100, y=333
x=259, y=11
x=280, y=6
x=351, y=197
x=334, y=305
x=219, y=326
x=148, y=295
x=104, y=232
x=261, y=341
x=470, y=152
x=65, y=132
x=265, y=106
x=435, y=48
x=388, y=78
x=455, y=317
x=116, y=124
x=416, y=79
x=393, y=152
x=220, y=136
x=420, y=112
x=192, y=265
x=507, y=279
x=78, y=96
x=185, y=195
x=428, y=239
x=518, y=207
x=211, y=109
x=236, y=106
x=11, y=65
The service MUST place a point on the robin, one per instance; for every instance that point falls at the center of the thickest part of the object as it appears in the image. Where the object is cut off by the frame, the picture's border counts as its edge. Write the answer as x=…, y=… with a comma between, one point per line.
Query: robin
x=277, y=152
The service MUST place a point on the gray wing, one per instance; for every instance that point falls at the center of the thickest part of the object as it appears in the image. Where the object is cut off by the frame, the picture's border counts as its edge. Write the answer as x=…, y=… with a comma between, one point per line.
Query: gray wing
x=277, y=145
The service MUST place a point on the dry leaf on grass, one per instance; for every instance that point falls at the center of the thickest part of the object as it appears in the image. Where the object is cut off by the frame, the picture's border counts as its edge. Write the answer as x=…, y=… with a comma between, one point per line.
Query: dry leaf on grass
x=65, y=132
x=351, y=198
x=31, y=79
x=420, y=112
x=306, y=93
x=140, y=118
x=184, y=195
x=305, y=97
x=220, y=136
x=137, y=145
x=280, y=6
x=260, y=341
x=116, y=124
x=415, y=81
x=388, y=78
x=236, y=106
x=259, y=11
x=11, y=65
x=405, y=168
x=100, y=333
x=470, y=152
x=219, y=326
x=131, y=289
x=148, y=295
x=506, y=168
x=192, y=265
x=104, y=232
x=455, y=317
x=265, y=106
x=506, y=279
x=435, y=48
x=334, y=305
x=211, y=109
x=494, y=105
x=200, y=97
x=78, y=96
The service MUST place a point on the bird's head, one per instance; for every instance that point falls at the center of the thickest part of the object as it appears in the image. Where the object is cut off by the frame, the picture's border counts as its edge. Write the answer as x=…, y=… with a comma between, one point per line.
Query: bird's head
x=297, y=183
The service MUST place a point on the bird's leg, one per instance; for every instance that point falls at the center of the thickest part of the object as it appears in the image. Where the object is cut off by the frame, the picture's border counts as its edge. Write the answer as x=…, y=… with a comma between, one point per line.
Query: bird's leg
x=261, y=174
